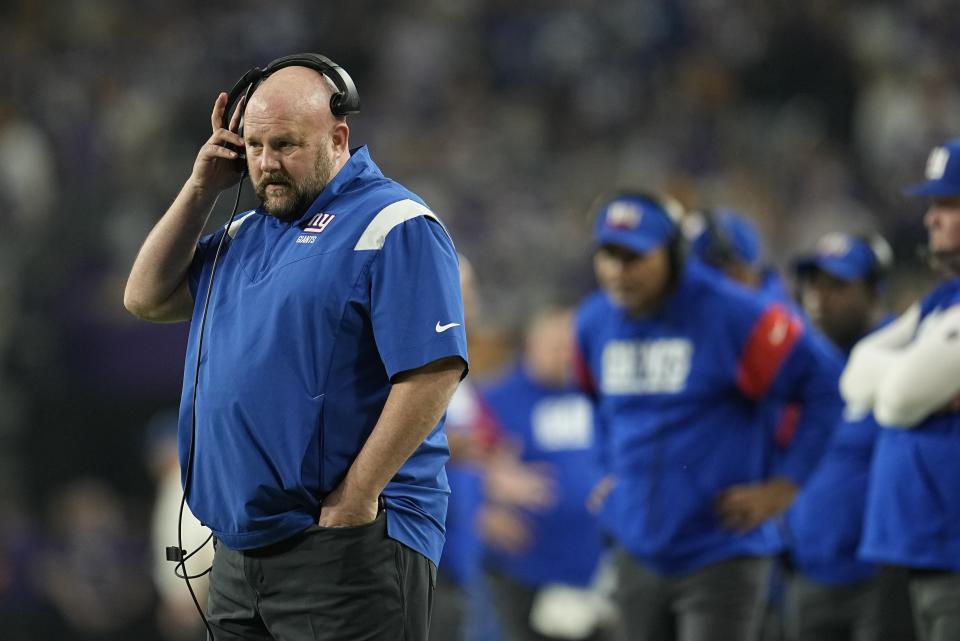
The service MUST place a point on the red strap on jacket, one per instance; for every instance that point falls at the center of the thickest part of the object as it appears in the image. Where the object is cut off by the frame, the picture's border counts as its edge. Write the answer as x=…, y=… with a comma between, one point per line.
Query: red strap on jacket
x=769, y=344
x=787, y=425
x=581, y=374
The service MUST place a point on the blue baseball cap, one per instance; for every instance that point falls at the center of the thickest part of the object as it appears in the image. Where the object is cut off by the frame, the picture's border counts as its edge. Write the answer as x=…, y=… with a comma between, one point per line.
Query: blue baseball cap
x=847, y=257
x=942, y=172
x=730, y=233
x=637, y=222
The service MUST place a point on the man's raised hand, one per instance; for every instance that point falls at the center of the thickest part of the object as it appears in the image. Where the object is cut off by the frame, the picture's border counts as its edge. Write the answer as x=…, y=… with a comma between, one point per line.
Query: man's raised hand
x=215, y=166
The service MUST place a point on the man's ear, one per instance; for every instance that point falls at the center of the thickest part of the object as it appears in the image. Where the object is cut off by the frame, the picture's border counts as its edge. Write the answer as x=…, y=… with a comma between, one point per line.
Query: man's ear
x=340, y=137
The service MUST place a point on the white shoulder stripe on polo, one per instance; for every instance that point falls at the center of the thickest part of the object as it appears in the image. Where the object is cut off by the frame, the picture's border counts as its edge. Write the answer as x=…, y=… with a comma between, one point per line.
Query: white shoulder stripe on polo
x=386, y=219
x=235, y=225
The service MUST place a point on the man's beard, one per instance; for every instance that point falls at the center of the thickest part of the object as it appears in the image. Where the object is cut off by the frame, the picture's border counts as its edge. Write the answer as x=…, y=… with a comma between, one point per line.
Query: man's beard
x=297, y=196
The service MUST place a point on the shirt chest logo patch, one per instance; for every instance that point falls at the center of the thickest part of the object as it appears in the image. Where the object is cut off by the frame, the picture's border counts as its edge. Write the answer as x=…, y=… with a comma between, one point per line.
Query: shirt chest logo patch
x=318, y=223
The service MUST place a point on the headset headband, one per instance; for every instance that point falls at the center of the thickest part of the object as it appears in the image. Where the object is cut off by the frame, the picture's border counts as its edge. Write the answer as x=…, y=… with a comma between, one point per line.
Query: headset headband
x=882, y=252
x=720, y=249
x=345, y=101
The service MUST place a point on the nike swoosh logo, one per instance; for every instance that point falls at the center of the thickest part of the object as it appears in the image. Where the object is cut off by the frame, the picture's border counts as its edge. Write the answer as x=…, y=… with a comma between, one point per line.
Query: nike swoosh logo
x=442, y=328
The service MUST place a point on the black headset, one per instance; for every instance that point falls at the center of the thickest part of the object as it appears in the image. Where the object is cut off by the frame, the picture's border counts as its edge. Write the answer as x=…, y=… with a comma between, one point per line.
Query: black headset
x=882, y=255
x=721, y=250
x=344, y=101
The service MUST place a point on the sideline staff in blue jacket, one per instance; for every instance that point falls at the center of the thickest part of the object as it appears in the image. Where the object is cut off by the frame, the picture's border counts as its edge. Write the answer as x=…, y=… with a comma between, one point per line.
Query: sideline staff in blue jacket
x=334, y=341
x=727, y=241
x=831, y=593
x=680, y=361
x=908, y=375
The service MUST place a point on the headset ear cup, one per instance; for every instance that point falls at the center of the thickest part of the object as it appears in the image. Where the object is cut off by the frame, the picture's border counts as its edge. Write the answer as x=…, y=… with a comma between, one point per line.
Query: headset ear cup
x=240, y=164
x=675, y=211
x=346, y=100
x=882, y=251
x=882, y=254
x=720, y=250
x=336, y=104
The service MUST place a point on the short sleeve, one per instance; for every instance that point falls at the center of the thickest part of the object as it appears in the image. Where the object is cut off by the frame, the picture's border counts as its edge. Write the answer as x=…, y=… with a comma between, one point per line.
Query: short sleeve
x=415, y=299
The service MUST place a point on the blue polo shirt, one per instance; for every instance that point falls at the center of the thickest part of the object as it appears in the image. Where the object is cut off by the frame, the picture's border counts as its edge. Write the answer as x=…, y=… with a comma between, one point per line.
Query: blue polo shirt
x=308, y=323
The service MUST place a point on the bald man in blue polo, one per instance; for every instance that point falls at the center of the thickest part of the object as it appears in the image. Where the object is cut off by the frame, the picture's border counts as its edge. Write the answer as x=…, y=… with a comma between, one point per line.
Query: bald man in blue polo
x=334, y=339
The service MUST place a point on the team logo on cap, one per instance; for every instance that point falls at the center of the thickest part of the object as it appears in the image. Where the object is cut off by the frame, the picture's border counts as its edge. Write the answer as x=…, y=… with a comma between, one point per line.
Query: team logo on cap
x=937, y=163
x=834, y=244
x=623, y=215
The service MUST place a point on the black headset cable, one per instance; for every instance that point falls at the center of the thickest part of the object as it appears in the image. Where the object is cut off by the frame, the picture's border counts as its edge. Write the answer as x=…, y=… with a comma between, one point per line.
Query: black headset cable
x=182, y=555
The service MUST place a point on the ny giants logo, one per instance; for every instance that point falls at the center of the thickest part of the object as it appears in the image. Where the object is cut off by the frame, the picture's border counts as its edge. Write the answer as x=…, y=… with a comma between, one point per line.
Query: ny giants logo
x=319, y=222
x=658, y=366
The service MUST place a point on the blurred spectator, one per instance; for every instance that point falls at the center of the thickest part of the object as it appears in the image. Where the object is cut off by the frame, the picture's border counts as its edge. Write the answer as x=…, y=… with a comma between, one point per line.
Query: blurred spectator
x=832, y=594
x=95, y=571
x=28, y=179
x=177, y=616
x=541, y=562
x=23, y=609
x=727, y=241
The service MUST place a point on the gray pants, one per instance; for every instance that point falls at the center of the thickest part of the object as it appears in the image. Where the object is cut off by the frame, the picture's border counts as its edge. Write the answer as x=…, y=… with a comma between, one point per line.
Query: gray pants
x=325, y=584
x=936, y=604
x=876, y=609
x=721, y=602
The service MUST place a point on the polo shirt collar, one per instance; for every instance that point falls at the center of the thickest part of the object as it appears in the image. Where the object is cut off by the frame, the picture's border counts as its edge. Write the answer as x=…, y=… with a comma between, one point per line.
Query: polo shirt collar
x=360, y=165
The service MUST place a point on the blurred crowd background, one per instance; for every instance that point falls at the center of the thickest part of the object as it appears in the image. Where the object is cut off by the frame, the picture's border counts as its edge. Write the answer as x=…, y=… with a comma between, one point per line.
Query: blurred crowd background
x=508, y=117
